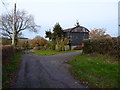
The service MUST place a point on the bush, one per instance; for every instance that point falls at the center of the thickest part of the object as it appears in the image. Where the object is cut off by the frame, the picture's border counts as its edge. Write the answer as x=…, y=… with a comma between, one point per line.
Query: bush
x=36, y=48
x=9, y=68
x=7, y=52
x=39, y=48
x=61, y=46
x=47, y=46
x=109, y=46
x=40, y=42
x=6, y=41
x=77, y=48
x=23, y=44
x=51, y=45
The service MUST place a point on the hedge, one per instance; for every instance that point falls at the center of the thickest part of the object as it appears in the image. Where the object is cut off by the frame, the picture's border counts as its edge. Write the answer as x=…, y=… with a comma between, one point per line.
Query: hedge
x=109, y=46
x=7, y=52
x=5, y=41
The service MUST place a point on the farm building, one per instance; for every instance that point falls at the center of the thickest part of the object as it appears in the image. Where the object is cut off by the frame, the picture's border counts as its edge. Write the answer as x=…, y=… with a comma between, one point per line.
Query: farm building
x=76, y=35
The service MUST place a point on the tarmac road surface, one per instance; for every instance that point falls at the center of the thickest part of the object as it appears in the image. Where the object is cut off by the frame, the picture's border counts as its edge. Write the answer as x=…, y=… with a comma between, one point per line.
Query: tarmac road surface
x=46, y=72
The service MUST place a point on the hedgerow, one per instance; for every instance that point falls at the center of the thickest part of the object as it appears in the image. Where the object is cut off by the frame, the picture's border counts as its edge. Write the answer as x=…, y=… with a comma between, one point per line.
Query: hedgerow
x=8, y=51
x=109, y=46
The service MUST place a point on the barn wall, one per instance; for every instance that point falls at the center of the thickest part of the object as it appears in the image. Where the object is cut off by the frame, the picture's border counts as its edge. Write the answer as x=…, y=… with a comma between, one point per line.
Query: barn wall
x=77, y=38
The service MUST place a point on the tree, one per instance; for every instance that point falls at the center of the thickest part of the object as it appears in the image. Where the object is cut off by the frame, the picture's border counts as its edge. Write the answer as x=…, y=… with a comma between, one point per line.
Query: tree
x=48, y=35
x=23, y=21
x=37, y=37
x=97, y=33
x=38, y=41
x=57, y=33
x=58, y=40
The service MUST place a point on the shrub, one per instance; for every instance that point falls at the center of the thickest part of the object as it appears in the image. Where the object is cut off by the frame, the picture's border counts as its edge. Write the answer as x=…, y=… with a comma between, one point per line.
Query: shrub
x=109, y=46
x=39, y=48
x=6, y=41
x=23, y=44
x=77, y=48
x=7, y=52
x=36, y=48
x=47, y=46
x=61, y=45
x=39, y=42
x=52, y=44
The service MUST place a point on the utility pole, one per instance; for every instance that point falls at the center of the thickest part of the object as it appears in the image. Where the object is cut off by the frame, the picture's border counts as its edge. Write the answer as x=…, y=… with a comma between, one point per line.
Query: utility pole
x=14, y=26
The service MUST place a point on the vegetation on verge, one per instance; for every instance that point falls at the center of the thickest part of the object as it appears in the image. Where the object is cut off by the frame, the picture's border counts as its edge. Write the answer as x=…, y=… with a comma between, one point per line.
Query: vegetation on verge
x=96, y=70
x=50, y=52
x=109, y=46
x=9, y=70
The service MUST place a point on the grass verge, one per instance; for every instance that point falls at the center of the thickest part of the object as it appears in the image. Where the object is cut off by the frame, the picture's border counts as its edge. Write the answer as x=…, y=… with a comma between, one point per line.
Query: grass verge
x=9, y=70
x=50, y=52
x=96, y=71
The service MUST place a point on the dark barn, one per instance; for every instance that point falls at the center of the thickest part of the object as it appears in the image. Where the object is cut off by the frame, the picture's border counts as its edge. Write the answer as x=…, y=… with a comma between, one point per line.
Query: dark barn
x=76, y=35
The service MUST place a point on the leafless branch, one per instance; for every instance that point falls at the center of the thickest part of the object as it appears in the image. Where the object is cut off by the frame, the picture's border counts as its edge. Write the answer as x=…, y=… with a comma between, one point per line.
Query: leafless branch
x=23, y=22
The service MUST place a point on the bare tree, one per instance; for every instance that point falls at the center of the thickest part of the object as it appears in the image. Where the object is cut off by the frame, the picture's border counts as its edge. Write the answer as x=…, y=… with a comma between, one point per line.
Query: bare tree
x=23, y=21
x=97, y=33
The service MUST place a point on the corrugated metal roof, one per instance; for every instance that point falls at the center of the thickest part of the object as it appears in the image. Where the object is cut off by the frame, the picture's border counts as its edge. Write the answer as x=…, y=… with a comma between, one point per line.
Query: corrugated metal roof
x=76, y=29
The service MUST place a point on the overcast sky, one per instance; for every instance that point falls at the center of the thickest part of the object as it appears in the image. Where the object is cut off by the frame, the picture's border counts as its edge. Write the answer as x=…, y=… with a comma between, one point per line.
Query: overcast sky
x=90, y=14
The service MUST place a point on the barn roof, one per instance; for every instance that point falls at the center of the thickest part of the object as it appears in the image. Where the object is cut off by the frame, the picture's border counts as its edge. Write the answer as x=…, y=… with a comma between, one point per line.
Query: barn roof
x=76, y=29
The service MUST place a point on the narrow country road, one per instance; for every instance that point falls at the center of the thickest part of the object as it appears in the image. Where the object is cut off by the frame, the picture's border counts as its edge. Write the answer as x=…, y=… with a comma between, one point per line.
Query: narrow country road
x=46, y=72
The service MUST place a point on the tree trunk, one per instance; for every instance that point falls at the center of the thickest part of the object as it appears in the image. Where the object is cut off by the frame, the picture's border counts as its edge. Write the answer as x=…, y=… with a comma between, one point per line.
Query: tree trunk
x=14, y=25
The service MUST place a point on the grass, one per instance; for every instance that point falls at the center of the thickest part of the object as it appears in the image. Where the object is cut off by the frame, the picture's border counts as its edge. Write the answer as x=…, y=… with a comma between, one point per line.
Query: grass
x=9, y=69
x=96, y=71
x=50, y=52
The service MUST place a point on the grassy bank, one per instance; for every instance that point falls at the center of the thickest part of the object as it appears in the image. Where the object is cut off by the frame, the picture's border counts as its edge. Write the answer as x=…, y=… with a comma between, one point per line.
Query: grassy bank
x=50, y=52
x=9, y=70
x=95, y=70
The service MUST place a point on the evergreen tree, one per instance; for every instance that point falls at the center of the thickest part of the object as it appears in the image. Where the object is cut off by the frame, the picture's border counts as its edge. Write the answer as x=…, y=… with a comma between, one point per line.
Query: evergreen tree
x=57, y=32
x=48, y=35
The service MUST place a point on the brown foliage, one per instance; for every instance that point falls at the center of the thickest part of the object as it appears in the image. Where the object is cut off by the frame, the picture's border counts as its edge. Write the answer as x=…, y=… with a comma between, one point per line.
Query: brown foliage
x=37, y=37
x=38, y=42
x=97, y=33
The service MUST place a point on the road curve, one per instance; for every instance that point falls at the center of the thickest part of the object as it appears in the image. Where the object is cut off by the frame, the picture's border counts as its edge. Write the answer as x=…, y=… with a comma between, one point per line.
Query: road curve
x=46, y=72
